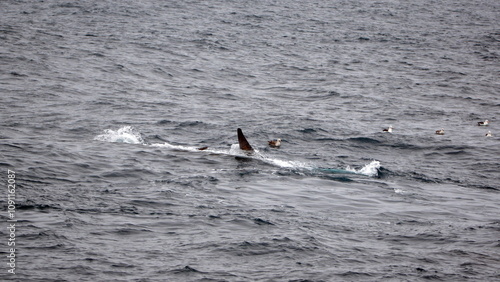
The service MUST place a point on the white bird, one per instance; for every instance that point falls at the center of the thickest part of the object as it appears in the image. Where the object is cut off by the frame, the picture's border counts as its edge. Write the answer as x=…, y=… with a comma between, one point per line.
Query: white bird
x=488, y=134
x=483, y=123
x=440, y=132
x=388, y=129
x=275, y=143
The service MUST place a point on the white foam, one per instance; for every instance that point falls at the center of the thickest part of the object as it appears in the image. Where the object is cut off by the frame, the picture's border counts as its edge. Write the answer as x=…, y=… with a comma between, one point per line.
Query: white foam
x=370, y=169
x=176, y=147
x=285, y=163
x=193, y=149
x=236, y=151
x=126, y=134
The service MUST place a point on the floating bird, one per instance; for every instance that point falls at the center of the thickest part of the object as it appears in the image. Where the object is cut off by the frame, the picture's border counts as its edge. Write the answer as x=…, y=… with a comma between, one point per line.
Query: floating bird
x=275, y=143
x=488, y=134
x=440, y=132
x=202, y=148
x=388, y=129
x=483, y=123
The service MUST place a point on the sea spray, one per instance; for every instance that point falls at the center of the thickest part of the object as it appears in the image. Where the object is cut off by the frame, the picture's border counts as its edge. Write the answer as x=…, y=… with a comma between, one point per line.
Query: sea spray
x=370, y=169
x=126, y=134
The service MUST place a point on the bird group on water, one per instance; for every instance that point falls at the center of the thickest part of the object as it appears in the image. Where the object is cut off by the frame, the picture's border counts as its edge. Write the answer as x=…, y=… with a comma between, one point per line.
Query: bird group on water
x=276, y=143
x=441, y=131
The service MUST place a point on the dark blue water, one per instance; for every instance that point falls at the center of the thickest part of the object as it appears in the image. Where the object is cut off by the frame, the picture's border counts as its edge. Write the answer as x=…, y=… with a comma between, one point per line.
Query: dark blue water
x=104, y=104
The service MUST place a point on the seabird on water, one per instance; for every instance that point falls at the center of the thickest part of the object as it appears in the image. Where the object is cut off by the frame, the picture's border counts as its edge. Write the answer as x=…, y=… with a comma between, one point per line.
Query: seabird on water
x=388, y=129
x=440, y=132
x=483, y=123
x=488, y=134
x=275, y=143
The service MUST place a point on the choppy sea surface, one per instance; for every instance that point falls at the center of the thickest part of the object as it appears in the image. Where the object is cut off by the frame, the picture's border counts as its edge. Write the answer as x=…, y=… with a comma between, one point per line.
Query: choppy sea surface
x=104, y=103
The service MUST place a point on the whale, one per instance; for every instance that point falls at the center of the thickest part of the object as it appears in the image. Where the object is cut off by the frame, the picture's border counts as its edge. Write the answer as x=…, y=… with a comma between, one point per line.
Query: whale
x=243, y=142
x=244, y=151
x=371, y=169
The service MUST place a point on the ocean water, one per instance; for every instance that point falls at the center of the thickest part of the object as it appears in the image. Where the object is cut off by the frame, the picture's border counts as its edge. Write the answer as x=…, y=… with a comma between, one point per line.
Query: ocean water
x=104, y=105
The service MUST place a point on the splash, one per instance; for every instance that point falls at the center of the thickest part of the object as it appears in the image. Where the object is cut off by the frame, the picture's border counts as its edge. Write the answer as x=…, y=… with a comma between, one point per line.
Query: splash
x=370, y=169
x=286, y=163
x=237, y=152
x=126, y=134
x=190, y=148
x=176, y=147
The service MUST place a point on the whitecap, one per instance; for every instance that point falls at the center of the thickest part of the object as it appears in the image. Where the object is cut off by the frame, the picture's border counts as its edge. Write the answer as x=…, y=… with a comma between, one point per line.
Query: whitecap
x=399, y=191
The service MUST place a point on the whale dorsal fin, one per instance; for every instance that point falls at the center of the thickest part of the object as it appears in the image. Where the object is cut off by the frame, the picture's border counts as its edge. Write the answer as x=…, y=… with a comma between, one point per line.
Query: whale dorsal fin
x=244, y=145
